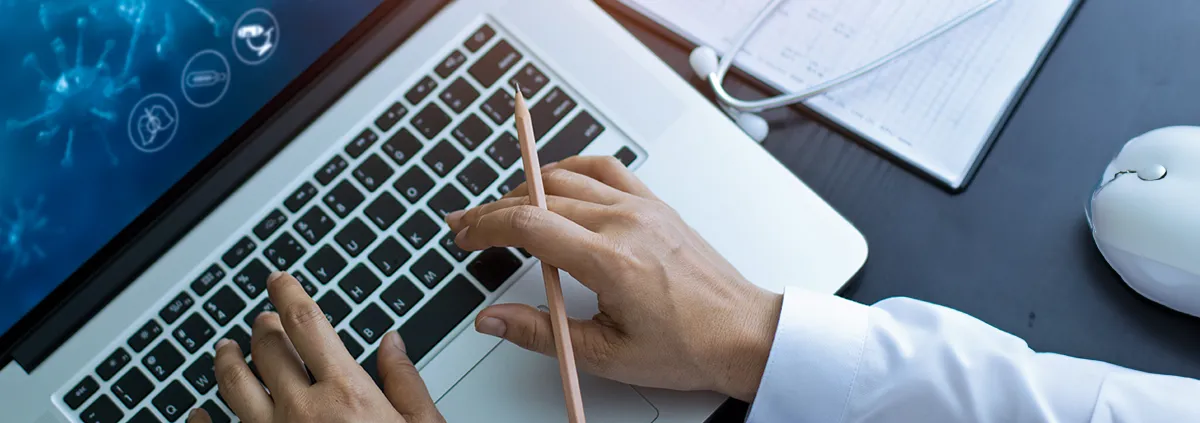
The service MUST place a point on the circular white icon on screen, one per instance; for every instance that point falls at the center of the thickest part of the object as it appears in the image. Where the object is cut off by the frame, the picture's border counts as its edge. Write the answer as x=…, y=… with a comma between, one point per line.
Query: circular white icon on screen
x=255, y=36
x=205, y=78
x=153, y=122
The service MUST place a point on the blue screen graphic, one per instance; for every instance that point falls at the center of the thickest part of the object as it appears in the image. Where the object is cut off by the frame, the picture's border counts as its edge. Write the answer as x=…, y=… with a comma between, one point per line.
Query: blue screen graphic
x=105, y=104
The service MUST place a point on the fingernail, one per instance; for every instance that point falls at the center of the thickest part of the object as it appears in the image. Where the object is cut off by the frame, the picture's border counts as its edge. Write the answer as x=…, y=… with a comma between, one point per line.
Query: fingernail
x=491, y=326
x=223, y=342
x=275, y=275
x=394, y=339
x=455, y=216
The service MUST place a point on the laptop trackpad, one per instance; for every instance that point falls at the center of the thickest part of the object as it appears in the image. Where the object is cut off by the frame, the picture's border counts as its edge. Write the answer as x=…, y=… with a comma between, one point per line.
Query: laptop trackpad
x=514, y=385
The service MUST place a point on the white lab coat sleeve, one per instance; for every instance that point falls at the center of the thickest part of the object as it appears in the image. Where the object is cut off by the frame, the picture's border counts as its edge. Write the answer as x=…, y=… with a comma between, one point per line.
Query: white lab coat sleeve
x=907, y=361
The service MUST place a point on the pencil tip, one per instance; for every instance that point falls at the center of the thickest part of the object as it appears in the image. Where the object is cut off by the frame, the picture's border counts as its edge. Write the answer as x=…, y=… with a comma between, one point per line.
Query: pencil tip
x=518, y=87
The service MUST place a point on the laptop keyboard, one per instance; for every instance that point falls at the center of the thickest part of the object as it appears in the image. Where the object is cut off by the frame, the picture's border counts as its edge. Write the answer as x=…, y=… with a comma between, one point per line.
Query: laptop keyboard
x=363, y=233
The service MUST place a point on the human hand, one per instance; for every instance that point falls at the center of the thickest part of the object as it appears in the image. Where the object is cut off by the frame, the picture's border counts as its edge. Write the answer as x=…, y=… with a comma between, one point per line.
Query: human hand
x=673, y=312
x=343, y=392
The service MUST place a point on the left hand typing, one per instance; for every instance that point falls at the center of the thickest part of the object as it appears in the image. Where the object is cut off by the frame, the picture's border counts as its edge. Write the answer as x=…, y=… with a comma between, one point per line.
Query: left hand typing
x=282, y=344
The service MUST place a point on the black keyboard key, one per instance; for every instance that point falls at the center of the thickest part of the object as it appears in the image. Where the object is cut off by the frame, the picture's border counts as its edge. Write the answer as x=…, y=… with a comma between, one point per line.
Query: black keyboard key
x=162, y=360
x=402, y=146
x=443, y=158
x=419, y=229
x=334, y=307
x=215, y=413
x=81, y=392
x=331, y=170
x=531, y=80
x=626, y=156
x=500, y=106
x=447, y=201
x=176, y=307
x=240, y=336
x=451, y=248
x=384, y=211
x=494, y=266
x=505, y=150
x=371, y=323
x=431, y=269
x=193, y=332
x=479, y=38
x=142, y=338
x=389, y=256
x=102, y=411
x=325, y=264
x=489, y=199
x=305, y=282
x=207, y=280
x=200, y=374
x=113, y=364
x=284, y=252
x=224, y=305
x=132, y=387
x=401, y=296
x=367, y=138
x=512, y=182
x=572, y=139
x=300, y=197
x=359, y=283
x=459, y=95
x=352, y=345
x=477, y=176
x=371, y=365
x=174, y=401
x=548, y=112
x=373, y=173
x=388, y=119
x=238, y=253
x=314, y=225
x=253, y=278
x=144, y=416
x=472, y=132
x=524, y=253
x=436, y=319
x=493, y=65
x=266, y=306
x=431, y=121
x=343, y=199
x=420, y=91
x=414, y=184
x=450, y=64
x=355, y=237
x=270, y=224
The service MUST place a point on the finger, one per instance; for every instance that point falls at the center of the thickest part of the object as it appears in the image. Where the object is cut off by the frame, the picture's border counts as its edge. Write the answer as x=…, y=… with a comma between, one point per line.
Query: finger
x=530, y=328
x=237, y=384
x=609, y=171
x=402, y=382
x=311, y=334
x=199, y=416
x=570, y=184
x=549, y=236
x=276, y=358
x=588, y=215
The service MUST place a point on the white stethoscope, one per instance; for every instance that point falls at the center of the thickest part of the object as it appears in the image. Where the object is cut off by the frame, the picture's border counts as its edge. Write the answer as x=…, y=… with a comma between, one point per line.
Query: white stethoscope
x=744, y=112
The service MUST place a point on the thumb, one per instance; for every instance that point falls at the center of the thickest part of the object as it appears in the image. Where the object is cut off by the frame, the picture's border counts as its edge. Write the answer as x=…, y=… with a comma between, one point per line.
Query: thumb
x=402, y=382
x=530, y=328
x=199, y=415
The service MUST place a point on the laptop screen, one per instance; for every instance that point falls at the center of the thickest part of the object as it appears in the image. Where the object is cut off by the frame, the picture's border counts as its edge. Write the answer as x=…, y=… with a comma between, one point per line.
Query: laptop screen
x=106, y=104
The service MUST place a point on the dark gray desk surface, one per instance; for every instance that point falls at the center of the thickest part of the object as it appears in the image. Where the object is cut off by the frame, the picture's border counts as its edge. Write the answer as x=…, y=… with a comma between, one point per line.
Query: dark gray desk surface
x=1014, y=249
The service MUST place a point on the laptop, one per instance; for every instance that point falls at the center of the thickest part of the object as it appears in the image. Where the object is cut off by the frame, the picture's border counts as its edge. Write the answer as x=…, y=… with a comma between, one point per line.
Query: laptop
x=160, y=161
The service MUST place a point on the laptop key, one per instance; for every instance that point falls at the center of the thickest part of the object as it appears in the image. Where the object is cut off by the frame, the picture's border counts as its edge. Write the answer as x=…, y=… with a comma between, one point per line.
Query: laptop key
x=371, y=323
x=305, y=282
x=430, y=121
x=500, y=106
x=421, y=90
x=223, y=305
x=495, y=63
x=451, y=248
x=253, y=278
x=493, y=267
x=355, y=237
x=626, y=156
x=176, y=308
x=174, y=401
x=334, y=307
x=450, y=64
x=572, y=139
x=385, y=122
x=343, y=199
x=215, y=413
x=459, y=95
x=314, y=225
x=238, y=253
x=439, y=316
x=331, y=170
x=207, y=280
x=373, y=173
x=102, y=411
x=551, y=110
x=402, y=146
x=443, y=158
x=265, y=306
x=113, y=364
x=144, y=416
x=479, y=38
x=512, y=182
x=366, y=138
x=384, y=211
x=270, y=224
x=241, y=336
x=142, y=338
x=132, y=387
x=359, y=283
x=200, y=374
x=447, y=201
x=300, y=197
x=193, y=332
x=401, y=295
x=477, y=176
x=431, y=269
x=388, y=256
x=284, y=251
x=162, y=360
x=325, y=264
x=352, y=345
x=419, y=229
x=531, y=80
x=472, y=132
x=505, y=150
x=81, y=392
x=414, y=184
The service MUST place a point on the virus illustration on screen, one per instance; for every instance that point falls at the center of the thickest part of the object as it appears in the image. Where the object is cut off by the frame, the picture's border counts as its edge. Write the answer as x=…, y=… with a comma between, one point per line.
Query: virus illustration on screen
x=81, y=98
x=18, y=226
x=159, y=18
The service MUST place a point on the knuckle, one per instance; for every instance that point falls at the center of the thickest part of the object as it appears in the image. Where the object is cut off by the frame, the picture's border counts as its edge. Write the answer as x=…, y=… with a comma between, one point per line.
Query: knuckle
x=267, y=340
x=304, y=313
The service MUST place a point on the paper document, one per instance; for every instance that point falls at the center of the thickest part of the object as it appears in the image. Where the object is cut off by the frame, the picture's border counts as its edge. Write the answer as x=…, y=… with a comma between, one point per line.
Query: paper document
x=935, y=107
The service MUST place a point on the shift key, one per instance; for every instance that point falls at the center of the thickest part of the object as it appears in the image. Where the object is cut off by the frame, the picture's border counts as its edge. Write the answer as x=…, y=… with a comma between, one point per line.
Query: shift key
x=572, y=139
x=439, y=316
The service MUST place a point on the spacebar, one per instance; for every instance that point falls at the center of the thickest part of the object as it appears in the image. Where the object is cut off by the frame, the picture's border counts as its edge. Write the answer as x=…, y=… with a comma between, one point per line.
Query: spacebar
x=439, y=316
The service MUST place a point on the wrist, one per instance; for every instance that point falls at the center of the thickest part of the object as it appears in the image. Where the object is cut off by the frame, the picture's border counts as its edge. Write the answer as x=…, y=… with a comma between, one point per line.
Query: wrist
x=747, y=345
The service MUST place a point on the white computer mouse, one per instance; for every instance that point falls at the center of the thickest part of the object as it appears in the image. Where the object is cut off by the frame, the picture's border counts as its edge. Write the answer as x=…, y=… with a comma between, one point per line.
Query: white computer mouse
x=1145, y=216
